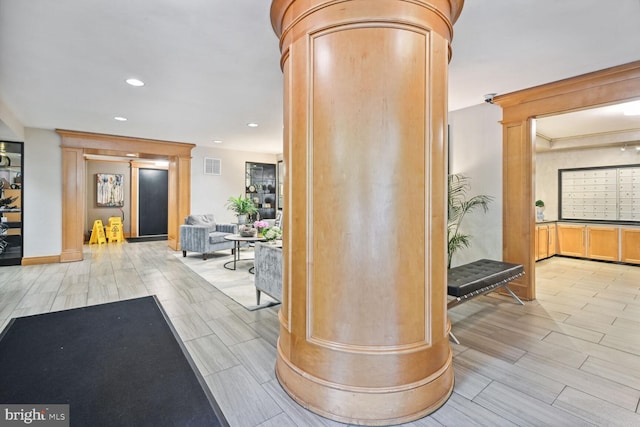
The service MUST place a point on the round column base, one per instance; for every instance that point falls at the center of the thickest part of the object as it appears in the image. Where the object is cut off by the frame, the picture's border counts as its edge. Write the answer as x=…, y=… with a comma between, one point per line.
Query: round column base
x=366, y=406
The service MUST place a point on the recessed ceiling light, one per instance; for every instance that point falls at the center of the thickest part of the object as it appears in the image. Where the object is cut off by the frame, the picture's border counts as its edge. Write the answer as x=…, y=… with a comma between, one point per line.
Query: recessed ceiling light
x=135, y=82
x=131, y=155
x=120, y=119
x=217, y=141
x=252, y=125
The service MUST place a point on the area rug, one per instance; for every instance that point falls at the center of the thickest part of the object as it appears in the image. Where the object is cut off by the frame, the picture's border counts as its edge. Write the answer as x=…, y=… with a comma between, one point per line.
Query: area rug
x=237, y=284
x=120, y=364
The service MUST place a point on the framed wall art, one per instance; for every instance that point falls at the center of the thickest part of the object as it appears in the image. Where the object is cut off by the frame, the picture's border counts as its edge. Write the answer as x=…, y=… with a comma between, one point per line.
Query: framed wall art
x=110, y=191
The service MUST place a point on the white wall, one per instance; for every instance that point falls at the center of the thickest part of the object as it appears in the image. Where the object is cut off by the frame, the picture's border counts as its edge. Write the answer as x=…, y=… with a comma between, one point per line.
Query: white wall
x=10, y=127
x=548, y=164
x=42, y=193
x=91, y=211
x=209, y=193
x=476, y=151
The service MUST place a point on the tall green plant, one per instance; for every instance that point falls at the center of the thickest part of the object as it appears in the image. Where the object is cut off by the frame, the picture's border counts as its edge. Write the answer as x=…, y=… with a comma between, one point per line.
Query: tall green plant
x=458, y=206
x=241, y=205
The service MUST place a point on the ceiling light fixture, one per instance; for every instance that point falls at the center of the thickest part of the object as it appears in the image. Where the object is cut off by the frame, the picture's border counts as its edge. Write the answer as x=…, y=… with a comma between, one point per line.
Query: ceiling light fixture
x=628, y=108
x=252, y=125
x=217, y=141
x=120, y=118
x=135, y=82
x=131, y=155
x=637, y=147
x=623, y=148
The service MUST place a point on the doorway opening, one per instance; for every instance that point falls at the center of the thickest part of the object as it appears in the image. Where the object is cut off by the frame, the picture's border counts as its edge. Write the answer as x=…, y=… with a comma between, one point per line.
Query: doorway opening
x=609, y=86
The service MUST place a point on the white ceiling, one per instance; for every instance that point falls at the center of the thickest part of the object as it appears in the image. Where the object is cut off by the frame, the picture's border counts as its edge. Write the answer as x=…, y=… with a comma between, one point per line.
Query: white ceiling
x=212, y=66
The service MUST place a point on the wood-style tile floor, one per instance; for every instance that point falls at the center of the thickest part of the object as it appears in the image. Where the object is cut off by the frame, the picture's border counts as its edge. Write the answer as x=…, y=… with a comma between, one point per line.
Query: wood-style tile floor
x=570, y=358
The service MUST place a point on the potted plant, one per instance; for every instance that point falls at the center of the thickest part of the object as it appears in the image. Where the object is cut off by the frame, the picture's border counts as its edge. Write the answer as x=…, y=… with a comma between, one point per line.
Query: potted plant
x=539, y=210
x=458, y=207
x=243, y=207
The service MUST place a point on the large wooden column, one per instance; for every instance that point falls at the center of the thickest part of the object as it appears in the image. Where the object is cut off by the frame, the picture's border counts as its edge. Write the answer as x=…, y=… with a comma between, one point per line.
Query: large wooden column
x=363, y=335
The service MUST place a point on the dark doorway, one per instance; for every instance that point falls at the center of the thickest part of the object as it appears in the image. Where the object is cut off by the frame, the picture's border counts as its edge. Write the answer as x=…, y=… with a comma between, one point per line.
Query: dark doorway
x=153, y=190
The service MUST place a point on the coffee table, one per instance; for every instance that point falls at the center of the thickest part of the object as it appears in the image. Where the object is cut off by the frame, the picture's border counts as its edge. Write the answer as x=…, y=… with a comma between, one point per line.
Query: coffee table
x=236, y=251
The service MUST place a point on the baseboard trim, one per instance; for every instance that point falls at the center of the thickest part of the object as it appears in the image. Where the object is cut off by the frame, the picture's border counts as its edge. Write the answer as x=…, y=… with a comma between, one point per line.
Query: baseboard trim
x=51, y=259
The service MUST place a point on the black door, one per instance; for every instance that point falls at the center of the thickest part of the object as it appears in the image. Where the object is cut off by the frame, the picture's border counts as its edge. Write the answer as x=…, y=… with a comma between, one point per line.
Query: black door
x=153, y=199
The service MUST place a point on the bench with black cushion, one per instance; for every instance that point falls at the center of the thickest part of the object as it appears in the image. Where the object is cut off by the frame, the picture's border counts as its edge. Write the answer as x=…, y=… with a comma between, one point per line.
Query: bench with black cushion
x=479, y=277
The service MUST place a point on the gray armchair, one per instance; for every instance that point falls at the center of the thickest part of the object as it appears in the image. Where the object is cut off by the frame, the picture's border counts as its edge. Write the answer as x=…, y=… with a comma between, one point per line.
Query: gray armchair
x=201, y=234
x=277, y=222
x=268, y=269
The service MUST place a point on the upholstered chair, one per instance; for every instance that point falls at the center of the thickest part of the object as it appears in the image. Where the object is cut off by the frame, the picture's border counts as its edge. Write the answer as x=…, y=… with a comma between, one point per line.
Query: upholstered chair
x=201, y=234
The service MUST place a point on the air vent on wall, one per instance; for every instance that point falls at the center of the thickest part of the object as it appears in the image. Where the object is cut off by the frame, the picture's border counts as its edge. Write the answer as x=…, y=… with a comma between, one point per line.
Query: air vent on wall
x=212, y=166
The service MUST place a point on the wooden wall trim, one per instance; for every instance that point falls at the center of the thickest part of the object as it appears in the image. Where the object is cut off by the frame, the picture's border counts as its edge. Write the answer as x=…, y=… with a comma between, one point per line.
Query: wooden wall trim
x=52, y=259
x=76, y=144
x=133, y=227
x=612, y=85
x=94, y=143
x=73, y=205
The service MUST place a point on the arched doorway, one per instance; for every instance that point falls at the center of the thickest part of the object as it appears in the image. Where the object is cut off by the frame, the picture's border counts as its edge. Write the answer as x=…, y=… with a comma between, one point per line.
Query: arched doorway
x=607, y=86
x=76, y=144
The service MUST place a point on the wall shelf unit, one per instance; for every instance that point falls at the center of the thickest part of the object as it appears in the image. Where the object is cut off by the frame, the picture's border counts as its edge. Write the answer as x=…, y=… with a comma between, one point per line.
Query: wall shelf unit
x=260, y=186
x=11, y=203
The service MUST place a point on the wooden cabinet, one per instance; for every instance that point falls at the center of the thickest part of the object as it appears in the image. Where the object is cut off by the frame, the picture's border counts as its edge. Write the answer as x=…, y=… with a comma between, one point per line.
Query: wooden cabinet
x=630, y=245
x=553, y=240
x=571, y=240
x=602, y=243
x=545, y=241
x=596, y=242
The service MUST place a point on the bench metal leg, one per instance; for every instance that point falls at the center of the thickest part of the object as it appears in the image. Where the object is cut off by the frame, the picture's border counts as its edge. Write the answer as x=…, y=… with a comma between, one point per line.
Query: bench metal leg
x=453, y=338
x=514, y=295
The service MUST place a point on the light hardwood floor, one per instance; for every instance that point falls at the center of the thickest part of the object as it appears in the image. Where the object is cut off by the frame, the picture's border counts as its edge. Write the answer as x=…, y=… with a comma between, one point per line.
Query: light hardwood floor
x=570, y=358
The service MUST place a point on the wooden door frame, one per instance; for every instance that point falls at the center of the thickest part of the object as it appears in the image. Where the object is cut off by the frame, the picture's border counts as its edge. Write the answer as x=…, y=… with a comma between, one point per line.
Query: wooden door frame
x=135, y=171
x=609, y=86
x=74, y=147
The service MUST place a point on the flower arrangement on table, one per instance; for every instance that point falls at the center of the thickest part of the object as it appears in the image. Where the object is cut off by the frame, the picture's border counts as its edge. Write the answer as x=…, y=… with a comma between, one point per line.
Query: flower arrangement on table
x=272, y=233
x=261, y=226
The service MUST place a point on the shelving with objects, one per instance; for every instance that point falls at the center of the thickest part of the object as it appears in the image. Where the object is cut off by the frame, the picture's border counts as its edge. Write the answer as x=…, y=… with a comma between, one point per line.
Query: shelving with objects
x=260, y=186
x=11, y=203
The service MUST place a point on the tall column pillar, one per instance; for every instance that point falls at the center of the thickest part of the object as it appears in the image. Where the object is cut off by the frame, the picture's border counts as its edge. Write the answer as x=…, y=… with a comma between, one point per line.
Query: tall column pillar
x=363, y=324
